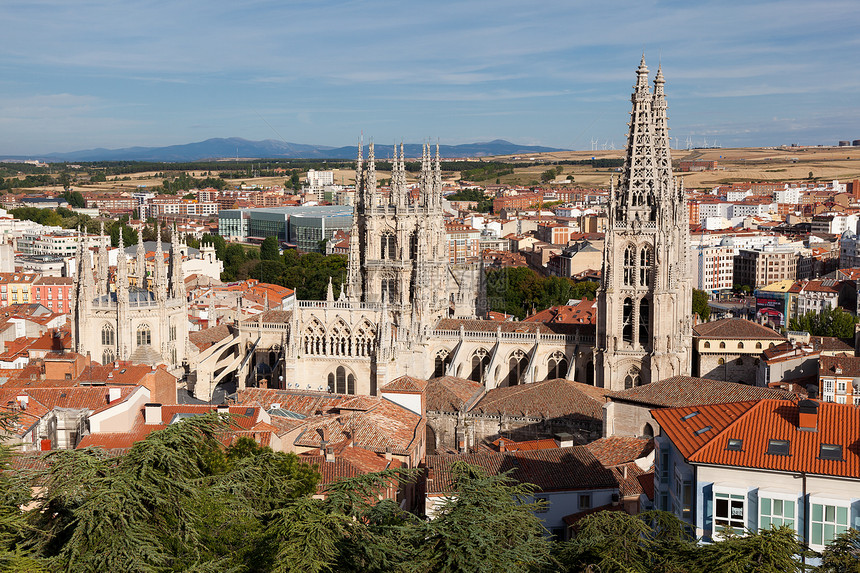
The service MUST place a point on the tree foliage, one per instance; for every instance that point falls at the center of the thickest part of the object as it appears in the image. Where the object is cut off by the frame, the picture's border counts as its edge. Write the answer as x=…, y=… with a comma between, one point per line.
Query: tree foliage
x=700, y=304
x=520, y=291
x=829, y=322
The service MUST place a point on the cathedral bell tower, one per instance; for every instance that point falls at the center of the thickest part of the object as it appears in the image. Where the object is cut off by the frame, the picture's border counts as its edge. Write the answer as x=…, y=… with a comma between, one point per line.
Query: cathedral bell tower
x=644, y=329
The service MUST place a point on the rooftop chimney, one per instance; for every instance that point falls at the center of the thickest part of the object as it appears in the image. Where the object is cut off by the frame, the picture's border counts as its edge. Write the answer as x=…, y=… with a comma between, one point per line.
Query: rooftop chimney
x=501, y=444
x=152, y=414
x=564, y=440
x=222, y=409
x=387, y=452
x=23, y=400
x=807, y=415
x=329, y=454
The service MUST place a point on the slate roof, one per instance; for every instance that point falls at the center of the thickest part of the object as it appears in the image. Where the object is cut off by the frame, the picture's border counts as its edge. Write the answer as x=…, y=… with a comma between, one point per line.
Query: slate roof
x=558, y=469
x=551, y=399
x=616, y=450
x=756, y=423
x=451, y=394
x=735, y=329
x=690, y=391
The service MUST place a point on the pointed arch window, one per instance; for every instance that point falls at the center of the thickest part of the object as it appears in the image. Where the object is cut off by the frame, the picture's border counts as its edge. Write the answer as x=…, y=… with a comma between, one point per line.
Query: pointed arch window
x=108, y=335
x=413, y=246
x=108, y=356
x=557, y=366
x=627, y=321
x=632, y=379
x=645, y=267
x=629, y=264
x=144, y=335
x=517, y=364
x=644, y=322
x=388, y=246
x=480, y=363
x=389, y=289
x=443, y=359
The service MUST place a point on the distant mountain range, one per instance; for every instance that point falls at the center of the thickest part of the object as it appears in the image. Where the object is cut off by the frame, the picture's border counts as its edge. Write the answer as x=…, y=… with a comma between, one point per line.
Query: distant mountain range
x=232, y=147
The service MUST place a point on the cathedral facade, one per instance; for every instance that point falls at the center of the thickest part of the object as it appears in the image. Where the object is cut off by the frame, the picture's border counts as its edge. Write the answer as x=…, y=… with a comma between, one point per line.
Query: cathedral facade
x=118, y=320
x=644, y=329
x=399, y=284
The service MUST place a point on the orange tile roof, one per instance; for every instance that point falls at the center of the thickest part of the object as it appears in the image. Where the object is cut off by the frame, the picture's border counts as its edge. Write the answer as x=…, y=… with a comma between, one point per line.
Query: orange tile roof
x=735, y=328
x=616, y=450
x=756, y=423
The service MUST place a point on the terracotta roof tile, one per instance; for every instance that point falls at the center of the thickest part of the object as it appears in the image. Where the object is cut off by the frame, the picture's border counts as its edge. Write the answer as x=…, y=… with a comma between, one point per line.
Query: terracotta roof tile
x=203, y=339
x=616, y=450
x=451, y=394
x=760, y=422
x=848, y=366
x=550, y=398
x=405, y=384
x=691, y=427
x=735, y=328
x=689, y=391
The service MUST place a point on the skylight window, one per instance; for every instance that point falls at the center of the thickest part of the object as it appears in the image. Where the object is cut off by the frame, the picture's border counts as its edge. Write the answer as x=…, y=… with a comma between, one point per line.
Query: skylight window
x=778, y=447
x=830, y=452
x=735, y=445
x=701, y=431
x=690, y=415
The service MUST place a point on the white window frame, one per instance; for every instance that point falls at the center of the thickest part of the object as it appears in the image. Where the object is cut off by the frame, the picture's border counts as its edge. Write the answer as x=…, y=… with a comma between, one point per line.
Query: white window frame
x=731, y=494
x=825, y=502
x=781, y=496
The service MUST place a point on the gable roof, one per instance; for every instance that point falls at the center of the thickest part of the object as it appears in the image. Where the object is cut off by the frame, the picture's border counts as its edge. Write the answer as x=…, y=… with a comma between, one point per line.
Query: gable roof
x=405, y=384
x=756, y=423
x=550, y=399
x=451, y=394
x=616, y=450
x=689, y=391
x=848, y=366
x=734, y=329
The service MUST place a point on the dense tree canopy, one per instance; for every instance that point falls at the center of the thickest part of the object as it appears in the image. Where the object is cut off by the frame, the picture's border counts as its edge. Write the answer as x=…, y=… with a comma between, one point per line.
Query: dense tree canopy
x=829, y=322
x=179, y=500
x=521, y=291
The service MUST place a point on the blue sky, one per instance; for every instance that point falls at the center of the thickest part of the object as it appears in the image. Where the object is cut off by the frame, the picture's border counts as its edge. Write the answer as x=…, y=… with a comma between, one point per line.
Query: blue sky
x=84, y=73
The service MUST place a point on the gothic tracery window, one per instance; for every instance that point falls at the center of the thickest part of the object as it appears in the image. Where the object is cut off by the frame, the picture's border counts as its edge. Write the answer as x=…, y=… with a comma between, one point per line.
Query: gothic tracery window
x=339, y=340
x=557, y=366
x=644, y=321
x=645, y=267
x=627, y=320
x=313, y=338
x=144, y=335
x=480, y=363
x=365, y=335
x=442, y=360
x=629, y=263
x=108, y=355
x=517, y=364
x=108, y=336
x=387, y=246
x=632, y=379
x=389, y=289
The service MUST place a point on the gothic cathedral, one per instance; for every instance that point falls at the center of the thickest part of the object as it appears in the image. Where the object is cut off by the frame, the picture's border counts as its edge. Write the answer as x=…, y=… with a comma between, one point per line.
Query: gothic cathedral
x=645, y=298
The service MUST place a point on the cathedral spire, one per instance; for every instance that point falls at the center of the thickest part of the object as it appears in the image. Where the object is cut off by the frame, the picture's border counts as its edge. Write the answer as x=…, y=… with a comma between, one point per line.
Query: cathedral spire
x=121, y=270
x=635, y=198
x=370, y=181
x=160, y=278
x=177, y=280
x=103, y=263
x=437, y=178
x=140, y=260
x=662, y=154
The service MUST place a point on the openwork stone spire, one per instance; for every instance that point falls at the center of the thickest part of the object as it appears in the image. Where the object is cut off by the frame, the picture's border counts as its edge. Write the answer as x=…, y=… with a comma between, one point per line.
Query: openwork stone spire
x=635, y=197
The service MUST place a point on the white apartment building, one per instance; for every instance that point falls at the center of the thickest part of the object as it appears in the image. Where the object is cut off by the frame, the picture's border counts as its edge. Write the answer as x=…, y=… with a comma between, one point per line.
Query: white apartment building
x=320, y=178
x=790, y=195
x=58, y=243
x=714, y=267
x=742, y=210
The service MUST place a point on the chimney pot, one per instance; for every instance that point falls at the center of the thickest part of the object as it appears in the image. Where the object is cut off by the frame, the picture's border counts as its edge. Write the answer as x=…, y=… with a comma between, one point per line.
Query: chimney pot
x=329, y=454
